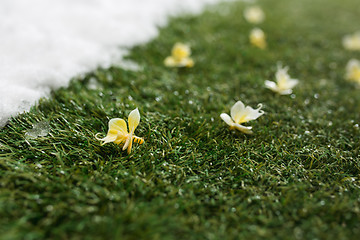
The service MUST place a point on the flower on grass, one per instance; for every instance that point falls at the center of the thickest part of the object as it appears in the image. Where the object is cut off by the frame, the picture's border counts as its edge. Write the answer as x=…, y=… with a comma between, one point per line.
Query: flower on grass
x=254, y=14
x=257, y=38
x=352, y=41
x=118, y=132
x=241, y=114
x=180, y=56
x=353, y=71
x=283, y=84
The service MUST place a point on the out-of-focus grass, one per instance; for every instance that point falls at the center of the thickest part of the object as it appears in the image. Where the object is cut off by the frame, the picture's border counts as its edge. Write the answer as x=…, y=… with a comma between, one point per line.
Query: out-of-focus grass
x=297, y=177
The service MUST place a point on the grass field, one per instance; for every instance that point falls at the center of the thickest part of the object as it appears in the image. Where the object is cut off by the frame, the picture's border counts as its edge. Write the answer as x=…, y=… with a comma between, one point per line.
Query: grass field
x=296, y=177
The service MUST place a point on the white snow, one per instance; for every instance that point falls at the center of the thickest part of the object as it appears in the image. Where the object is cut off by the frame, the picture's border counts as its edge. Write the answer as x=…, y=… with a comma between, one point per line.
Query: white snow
x=44, y=43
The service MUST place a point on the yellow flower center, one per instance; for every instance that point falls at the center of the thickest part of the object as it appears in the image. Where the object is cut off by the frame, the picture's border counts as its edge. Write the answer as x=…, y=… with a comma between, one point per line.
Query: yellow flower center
x=180, y=52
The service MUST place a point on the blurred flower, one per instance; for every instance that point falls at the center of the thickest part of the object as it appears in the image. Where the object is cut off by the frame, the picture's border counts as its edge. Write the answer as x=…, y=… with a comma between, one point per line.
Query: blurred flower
x=254, y=14
x=118, y=132
x=257, y=38
x=180, y=56
x=352, y=41
x=353, y=71
x=283, y=84
x=241, y=114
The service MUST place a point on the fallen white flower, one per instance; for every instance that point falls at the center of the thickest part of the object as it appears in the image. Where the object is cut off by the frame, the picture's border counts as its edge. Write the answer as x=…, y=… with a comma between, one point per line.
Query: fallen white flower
x=180, y=56
x=241, y=114
x=254, y=15
x=119, y=134
x=257, y=38
x=353, y=71
x=352, y=41
x=284, y=83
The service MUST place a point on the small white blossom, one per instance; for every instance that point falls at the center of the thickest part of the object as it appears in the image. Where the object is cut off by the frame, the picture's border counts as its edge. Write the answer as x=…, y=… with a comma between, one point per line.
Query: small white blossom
x=180, y=56
x=284, y=83
x=119, y=134
x=241, y=114
x=254, y=15
x=257, y=38
x=352, y=41
x=353, y=71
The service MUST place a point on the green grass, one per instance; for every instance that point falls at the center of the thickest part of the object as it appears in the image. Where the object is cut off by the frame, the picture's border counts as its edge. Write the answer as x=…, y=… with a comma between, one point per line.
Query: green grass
x=297, y=177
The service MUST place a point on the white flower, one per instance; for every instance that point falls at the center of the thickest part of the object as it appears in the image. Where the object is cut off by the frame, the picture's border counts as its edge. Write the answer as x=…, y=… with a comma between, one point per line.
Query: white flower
x=353, y=71
x=254, y=14
x=118, y=132
x=352, y=41
x=283, y=84
x=180, y=56
x=257, y=38
x=241, y=114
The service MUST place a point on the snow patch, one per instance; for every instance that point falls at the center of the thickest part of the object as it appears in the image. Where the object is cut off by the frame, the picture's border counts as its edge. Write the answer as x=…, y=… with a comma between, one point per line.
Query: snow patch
x=44, y=43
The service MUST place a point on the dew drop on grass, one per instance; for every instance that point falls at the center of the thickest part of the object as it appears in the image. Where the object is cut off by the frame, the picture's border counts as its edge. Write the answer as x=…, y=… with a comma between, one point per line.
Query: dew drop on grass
x=93, y=84
x=40, y=129
x=49, y=208
x=316, y=95
x=293, y=96
x=109, y=77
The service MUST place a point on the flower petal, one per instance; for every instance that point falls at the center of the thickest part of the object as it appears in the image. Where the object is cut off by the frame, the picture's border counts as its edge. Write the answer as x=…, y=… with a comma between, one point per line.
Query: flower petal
x=170, y=62
x=236, y=111
x=246, y=130
x=188, y=62
x=282, y=73
x=110, y=137
x=130, y=146
x=252, y=114
x=118, y=124
x=133, y=120
x=271, y=85
x=227, y=119
x=285, y=92
x=121, y=139
x=292, y=83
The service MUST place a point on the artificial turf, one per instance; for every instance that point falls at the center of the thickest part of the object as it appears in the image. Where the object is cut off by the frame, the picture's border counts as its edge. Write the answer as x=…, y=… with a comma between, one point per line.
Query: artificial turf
x=296, y=177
